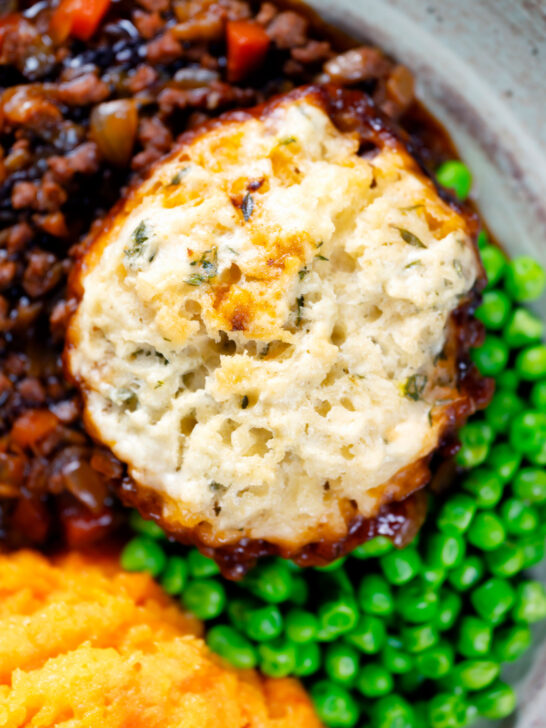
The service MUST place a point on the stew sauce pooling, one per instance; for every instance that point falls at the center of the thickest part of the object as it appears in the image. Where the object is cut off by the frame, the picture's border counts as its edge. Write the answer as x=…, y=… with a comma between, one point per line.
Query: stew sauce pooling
x=79, y=120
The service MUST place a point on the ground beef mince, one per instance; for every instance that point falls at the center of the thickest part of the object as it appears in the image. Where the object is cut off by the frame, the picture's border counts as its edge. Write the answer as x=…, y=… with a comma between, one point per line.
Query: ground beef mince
x=84, y=111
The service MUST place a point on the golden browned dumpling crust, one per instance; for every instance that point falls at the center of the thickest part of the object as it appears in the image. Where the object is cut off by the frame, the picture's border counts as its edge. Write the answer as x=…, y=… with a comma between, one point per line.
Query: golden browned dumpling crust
x=266, y=334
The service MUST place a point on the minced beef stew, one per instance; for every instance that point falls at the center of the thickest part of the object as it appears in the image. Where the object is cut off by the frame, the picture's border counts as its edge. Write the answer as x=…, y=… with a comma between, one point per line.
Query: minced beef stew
x=92, y=94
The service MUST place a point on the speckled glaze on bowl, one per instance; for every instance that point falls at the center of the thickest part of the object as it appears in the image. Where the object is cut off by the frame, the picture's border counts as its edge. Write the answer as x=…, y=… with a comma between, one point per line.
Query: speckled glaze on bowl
x=481, y=70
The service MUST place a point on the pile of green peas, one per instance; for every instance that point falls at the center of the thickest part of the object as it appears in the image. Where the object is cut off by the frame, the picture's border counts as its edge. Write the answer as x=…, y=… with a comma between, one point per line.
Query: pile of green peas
x=410, y=638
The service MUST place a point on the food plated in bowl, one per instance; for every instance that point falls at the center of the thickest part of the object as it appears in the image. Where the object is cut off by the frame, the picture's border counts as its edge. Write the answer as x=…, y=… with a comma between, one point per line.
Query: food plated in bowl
x=414, y=635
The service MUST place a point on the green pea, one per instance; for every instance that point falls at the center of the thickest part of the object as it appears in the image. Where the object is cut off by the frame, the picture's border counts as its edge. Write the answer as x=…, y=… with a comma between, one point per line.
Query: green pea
x=528, y=432
x=338, y=616
x=533, y=551
x=200, y=566
x=416, y=603
x=486, y=531
x=332, y=566
x=502, y=408
x=475, y=637
x=491, y=357
x=523, y=328
x=375, y=595
x=145, y=527
x=445, y=550
x=467, y=574
x=530, y=484
x=508, y=379
x=524, y=279
x=476, y=439
x=456, y=514
x=300, y=591
x=456, y=176
x=400, y=567
x=206, y=598
x=530, y=602
x=495, y=263
x=301, y=626
x=264, y=623
x=494, y=310
x=531, y=362
x=392, y=711
x=486, y=487
x=238, y=611
x=271, y=581
x=511, y=642
x=232, y=646
x=504, y=460
x=448, y=609
x=334, y=704
x=175, y=575
x=433, y=576
x=477, y=674
x=377, y=546
x=368, y=635
x=538, y=395
x=374, y=681
x=341, y=663
x=436, y=661
x=394, y=658
x=277, y=658
x=496, y=702
x=483, y=239
x=508, y=559
x=493, y=599
x=419, y=637
x=143, y=554
x=308, y=659
x=447, y=711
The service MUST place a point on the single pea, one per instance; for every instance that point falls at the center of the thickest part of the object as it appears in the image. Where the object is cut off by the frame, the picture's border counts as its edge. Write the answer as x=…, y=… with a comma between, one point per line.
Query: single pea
x=511, y=642
x=447, y=711
x=491, y=357
x=456, y=513
x=433, y=576
x=524, y=279
x=232, y=646
x=531, y=362
x=502, y=408
x=495, y=263
x=475, y=637
x=504, y=460
x=485, y=485
x=200, y=566
x=538, y=395
x=271, y=581
x=435, y=662
x=445, y=550
x=530, y=602
x=300, y=590
x=494, y=310
x=508, y=379
x=375, y=595
x=264, y=623
x=334, y=704
x=448, y=609
x=338, y=616
x=523, y=328
x=530, y=485
x=308, y=659
x=206, y=598
x=486, y=531
x=401, y=566
x=467, y=574
x=419, y=637
x=538, y=457
x=394, y=658
x=377, y=546
x=496, y=702
x=341, y=663
x=493, y=599
x=528, y=432
x=456, y=176
x=392, y=711
x=301, y=626
x=477, y=674
x=277, y=658
x=238, y=611
x=143, y=554
x=476, y=439
x=145, y=527
x=415, y=603
x=534, y=550
x=507, y=560
x=374, y=681
x=368, y=635
x=175, y=575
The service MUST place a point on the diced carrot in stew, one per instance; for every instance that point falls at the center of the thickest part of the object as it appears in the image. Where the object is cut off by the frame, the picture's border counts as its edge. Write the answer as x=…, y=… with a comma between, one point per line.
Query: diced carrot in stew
x=247, y=45
x=79, y=18
x=33, y=426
